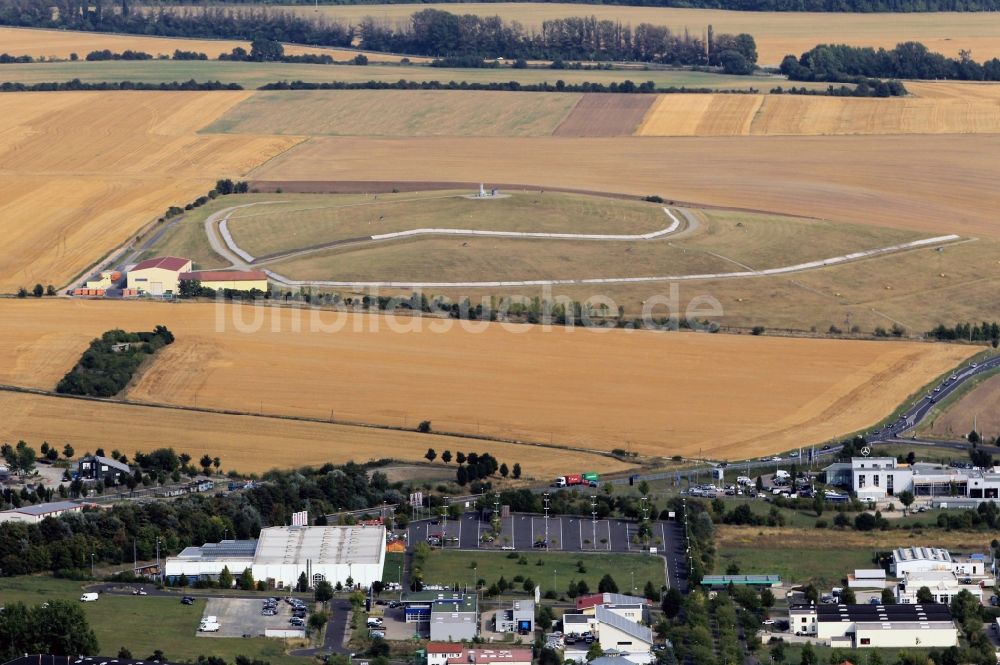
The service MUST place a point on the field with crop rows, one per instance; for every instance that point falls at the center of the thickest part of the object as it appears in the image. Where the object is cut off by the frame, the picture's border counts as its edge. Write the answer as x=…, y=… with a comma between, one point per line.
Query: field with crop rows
x=68, y=196
x=969, y=109
x=398, y=113
x=665, y=394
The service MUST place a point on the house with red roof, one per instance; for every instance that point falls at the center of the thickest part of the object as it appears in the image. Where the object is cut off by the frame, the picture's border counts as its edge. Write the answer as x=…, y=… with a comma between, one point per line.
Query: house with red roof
x=158, y=276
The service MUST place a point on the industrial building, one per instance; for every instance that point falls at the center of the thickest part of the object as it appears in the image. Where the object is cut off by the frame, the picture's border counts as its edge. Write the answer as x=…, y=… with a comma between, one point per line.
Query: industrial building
x=594, y=599
x=757, y=581
x=235, y=280
x=943, y=585
x=281, y=554
x=926, y=559
x=96, y=467
x=445, y=615
x=878, y=478
x=520, y=618
x=445, y=653
x=867, y=578
x=159, y=276
x=37, y=513
x=875, y=626
x=613, y=630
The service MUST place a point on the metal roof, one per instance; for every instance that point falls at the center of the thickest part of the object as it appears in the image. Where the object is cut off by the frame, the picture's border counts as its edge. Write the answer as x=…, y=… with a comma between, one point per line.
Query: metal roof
x=46, y=508
x=320, y=544
x=868, y=613
x=108, y=461
x=724, y=580
x=165, y=262
x=632, y=628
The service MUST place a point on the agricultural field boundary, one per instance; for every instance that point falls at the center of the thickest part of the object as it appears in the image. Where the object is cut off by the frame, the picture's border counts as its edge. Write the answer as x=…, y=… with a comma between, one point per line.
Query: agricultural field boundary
x=784, y=270
x=323, y=421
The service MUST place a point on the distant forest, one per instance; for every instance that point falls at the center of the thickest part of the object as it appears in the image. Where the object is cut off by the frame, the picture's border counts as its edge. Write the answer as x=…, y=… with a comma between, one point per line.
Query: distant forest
x=911, y=60
x=429, y=32
x=864, y=6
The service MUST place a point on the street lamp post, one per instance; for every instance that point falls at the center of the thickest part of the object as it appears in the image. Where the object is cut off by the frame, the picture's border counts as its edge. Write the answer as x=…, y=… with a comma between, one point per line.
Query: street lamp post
x=91, y=564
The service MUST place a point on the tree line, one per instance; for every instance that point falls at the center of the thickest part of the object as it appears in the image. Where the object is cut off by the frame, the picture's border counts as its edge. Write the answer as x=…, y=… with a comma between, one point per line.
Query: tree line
x=77, y=84
x=833, y=6
x=63, y=544
x=909, y=60
x=434, y=32
x=109, y=363
x=972, y=332
x=195, y=22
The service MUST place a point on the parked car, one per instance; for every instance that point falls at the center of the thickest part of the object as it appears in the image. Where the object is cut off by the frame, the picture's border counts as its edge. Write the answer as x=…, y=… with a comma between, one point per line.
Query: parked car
x=139, y=592
x=297, y=621
x=187, y=600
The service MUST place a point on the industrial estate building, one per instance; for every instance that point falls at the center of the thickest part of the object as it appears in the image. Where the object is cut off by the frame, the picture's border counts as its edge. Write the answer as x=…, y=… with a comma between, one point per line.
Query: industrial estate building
x=37, y=513
x=614, y=627
x=281, y=554
x=445, y=653
x=520, y=618
x=877, y=478
x=875, y=626
x=444, y=615
x=926, y=559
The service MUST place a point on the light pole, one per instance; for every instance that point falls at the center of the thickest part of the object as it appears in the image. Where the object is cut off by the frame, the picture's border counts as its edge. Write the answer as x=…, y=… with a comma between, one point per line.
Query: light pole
x=91, y=564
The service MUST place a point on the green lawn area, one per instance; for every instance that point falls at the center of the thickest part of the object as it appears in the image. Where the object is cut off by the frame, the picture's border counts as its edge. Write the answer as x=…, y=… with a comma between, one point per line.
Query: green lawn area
x=393, y=566
x=456, y=567
x=824, y=569
x=256, y=74
x=144, y=623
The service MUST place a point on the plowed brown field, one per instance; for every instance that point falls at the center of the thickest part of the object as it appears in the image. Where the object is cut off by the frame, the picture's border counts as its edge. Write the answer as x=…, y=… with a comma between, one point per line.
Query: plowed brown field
x=937, y=109
x=605, y=115
x=81, y=172
x=660, y=394
x=926, y=183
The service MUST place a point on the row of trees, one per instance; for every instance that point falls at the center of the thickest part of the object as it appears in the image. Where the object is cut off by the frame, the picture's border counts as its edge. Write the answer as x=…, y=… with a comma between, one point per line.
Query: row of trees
x=864, y=6
x=972, y=332
x=109, y=363
x=77, y=84
x=434, y=32
x=63, y=545
x=199, y=22
x=909, y=60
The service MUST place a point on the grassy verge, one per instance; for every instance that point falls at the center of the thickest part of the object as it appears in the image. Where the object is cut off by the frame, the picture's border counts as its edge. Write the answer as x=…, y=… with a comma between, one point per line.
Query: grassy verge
x=557, y=568
x=143, y=624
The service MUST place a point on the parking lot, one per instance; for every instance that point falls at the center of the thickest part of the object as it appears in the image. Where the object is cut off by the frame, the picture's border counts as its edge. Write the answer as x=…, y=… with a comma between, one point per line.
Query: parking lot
x=239, y=617
x=528, y=532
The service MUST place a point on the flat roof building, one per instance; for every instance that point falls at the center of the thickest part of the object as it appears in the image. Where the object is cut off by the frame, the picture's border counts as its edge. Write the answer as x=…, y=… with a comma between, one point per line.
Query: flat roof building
x=37, y=513
x=876, y=626
x=282, y=554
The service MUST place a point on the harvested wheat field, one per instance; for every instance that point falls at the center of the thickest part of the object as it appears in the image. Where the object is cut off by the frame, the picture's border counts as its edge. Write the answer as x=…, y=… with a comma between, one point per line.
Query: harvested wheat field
x=67, y=197
x=663, y=394
x=61, y=43
x=603, y=114
x=980, y=407
x=398, y=113
x=777, y=33
x=947, y=110
x=252, y=444
x=932, y=184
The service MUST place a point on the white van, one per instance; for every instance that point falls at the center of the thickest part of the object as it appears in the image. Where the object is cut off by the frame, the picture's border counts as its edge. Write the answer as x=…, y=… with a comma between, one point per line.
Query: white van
x=374, y=622
x=208, y=627
x=89, y=598
x=210, y=619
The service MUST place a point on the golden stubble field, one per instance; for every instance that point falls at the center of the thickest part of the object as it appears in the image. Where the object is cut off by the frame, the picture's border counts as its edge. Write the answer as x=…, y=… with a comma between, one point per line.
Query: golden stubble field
x=82, y=172
x=932, y=108
x=777, y=33
x=659, y=394
x=933, y=184
x=61, y=43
